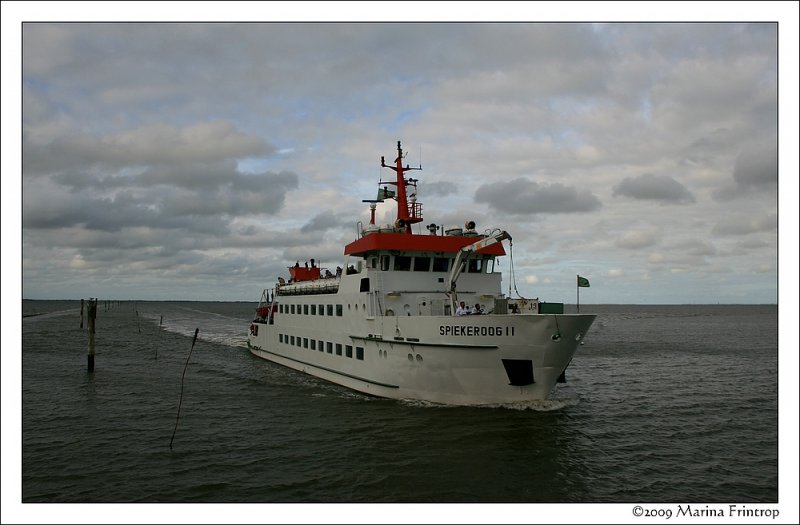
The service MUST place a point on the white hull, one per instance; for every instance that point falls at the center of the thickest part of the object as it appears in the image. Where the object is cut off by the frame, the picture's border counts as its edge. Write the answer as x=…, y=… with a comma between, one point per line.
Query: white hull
x=452, y=360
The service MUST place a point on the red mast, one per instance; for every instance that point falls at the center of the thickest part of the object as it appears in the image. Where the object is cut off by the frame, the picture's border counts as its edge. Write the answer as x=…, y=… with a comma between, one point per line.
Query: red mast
x=406, y=215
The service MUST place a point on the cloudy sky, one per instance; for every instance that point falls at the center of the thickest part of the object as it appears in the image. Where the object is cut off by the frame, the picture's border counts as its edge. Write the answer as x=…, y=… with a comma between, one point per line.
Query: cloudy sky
x=197, y=160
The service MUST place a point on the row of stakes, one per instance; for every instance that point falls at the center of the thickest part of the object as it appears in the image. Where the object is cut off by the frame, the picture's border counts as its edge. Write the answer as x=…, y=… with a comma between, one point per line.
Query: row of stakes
x=91, y=314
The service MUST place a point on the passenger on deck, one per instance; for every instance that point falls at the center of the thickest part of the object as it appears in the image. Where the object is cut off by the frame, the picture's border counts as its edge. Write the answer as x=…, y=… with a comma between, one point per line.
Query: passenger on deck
x=476, y=310
x=338, y=271
x=328, y=274
x=462, y=309
x=351, y=270
x=281, y=281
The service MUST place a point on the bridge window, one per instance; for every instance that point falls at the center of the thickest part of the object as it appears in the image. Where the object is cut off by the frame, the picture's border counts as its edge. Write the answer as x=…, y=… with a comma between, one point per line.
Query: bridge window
x=359, y=353
x=338, y=310
x=422, y=264
x=305, y=309
x=338, y=349
x=441, y=264
x=384, y=262
x=348, y=351
x=329, y=308
x=321, y=310
x=364, y=285
x=475, y=266
x=313, y=309
x=402, y=263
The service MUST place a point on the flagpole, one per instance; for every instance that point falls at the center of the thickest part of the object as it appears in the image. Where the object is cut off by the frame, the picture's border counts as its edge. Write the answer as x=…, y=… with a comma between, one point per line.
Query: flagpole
x=578, y=288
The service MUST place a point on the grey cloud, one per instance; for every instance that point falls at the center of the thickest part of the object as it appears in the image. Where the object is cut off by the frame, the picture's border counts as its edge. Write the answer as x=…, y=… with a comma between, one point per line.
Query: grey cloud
x=743, y=225
x=145, y=146
x=438, y=189
x=639, y=239
x=756, y=169
x=321, y=222
x=654, y=187
x=202, y=210
x=523, y=196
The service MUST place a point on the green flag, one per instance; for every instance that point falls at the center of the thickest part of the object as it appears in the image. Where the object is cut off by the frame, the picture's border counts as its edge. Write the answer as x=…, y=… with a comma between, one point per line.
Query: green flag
x=385, y=193
x=583, y=282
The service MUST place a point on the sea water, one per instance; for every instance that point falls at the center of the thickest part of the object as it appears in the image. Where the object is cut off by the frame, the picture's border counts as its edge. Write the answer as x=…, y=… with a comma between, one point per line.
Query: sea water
x=662, y=404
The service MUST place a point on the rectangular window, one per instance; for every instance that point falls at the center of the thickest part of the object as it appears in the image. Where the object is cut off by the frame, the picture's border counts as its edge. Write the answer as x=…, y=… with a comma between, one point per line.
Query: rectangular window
x=338, y=349
x=360, y=353
x=321, y=310
x=305, y=342
x=364, y=285
x=313, y=309
x=299, y=342
x=384, y=262
x=313, y=344
x=321, y=346
x=329, y=347
x=475, y=266
x=292, y=340
x=338, y=310
x=402, y=263
x=280, y=338
x=292, y=309
x=422, y=264
x=441, y=264
x=329, y=308
x=305, y=309
x=348, y=351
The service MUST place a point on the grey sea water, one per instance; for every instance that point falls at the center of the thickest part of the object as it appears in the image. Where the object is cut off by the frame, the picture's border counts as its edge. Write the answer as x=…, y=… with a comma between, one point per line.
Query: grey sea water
x=662, y=404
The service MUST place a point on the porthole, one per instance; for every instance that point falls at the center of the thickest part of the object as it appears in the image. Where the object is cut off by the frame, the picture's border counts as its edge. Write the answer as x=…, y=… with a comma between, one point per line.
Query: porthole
x=411, y=358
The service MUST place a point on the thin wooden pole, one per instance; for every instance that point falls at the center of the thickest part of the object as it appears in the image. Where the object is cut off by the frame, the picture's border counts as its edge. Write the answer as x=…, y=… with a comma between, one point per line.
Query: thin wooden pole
x=91, y=314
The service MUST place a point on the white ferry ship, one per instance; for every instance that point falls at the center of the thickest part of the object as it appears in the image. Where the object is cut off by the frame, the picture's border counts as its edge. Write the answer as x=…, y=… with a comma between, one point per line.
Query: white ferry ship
x=390, y=323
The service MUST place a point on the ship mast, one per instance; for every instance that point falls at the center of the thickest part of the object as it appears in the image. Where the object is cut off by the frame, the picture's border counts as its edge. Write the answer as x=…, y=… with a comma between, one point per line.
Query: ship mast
x=406, y=215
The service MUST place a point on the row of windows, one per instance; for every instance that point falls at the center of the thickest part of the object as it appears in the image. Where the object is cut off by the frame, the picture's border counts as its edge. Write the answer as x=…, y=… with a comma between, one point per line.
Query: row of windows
x=405, y=263
x=322, y=346
x=310, y=309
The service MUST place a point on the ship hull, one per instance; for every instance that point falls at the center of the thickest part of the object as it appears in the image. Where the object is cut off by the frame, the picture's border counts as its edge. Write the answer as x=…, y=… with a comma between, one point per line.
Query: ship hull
x=470, y=360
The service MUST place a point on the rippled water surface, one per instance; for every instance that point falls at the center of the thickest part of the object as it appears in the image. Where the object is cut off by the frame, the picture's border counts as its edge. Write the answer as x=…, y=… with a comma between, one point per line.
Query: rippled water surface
x=662, y=404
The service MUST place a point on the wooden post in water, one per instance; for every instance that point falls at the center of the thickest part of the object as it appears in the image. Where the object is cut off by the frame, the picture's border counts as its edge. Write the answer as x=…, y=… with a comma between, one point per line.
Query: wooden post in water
x=91, y=311
x=81, y=314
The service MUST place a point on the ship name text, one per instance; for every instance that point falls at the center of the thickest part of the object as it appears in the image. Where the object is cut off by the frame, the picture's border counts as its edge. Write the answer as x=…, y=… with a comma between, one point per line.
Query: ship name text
x=473, y=331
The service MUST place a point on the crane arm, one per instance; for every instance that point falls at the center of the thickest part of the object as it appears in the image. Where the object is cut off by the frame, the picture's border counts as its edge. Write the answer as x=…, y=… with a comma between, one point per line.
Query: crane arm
x=461, y=260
